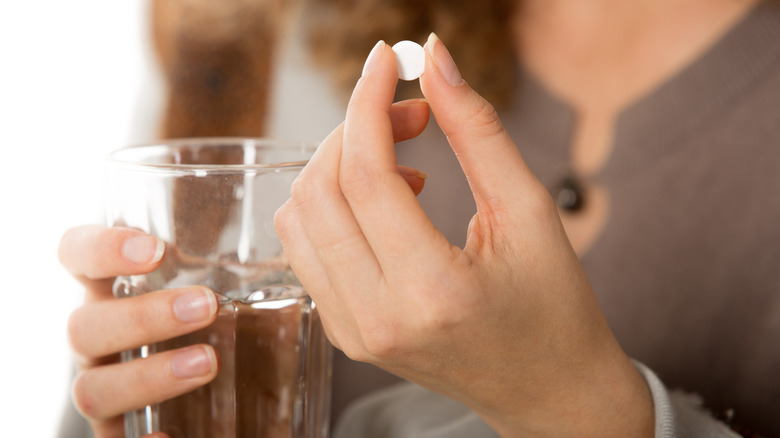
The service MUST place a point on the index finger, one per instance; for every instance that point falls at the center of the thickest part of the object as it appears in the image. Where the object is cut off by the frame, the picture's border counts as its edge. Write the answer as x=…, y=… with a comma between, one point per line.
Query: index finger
x=385, y=208
x=493, y=165
x=95, y=254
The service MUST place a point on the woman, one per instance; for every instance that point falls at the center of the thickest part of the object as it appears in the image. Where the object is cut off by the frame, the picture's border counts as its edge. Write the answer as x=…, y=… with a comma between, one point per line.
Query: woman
x=644, y=139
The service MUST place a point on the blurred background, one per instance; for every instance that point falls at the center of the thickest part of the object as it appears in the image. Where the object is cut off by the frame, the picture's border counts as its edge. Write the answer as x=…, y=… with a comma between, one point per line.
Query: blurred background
x=77, y=80
x=70, y=83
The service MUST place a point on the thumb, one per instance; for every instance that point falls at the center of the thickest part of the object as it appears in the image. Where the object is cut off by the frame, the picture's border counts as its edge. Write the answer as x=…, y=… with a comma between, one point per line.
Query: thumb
x=494, y=167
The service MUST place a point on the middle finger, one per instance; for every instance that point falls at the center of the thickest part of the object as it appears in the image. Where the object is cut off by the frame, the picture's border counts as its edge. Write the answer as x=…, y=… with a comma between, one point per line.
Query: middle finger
x=106, y=327
x=329, y=226
x=388, y=214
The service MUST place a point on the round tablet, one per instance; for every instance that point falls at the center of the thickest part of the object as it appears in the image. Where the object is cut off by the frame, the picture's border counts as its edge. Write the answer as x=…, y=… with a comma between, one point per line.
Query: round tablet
x=410, y=58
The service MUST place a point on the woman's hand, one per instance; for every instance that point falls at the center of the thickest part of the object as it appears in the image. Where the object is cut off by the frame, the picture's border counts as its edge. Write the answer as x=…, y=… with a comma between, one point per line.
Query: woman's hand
x=509, y=324
x=104, y=326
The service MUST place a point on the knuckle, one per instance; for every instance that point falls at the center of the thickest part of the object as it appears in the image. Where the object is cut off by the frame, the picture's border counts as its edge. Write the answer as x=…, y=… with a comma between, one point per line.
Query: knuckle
x=359, y=182
x=541, y=203
x=306, y=190
x=298, y=190
x=343, y=248
x=380, y=342
x=354, y=351
x=534, y=202
x=377, y=348
x=281, y=216
x=75, y=330
x=359, y=355
x=437, y=318
x=484, y=117
x=82, y=396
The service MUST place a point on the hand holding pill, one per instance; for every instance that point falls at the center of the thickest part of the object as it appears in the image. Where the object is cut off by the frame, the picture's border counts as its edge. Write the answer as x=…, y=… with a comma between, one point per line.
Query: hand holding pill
x=508, y=324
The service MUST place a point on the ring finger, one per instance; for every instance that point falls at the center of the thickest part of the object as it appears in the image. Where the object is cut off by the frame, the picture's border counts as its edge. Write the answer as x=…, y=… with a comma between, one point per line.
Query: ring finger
x=105, y=392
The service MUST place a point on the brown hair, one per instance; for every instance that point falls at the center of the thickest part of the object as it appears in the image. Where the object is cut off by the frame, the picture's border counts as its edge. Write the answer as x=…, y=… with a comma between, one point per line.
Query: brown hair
x=216, y=56
x=340, y=33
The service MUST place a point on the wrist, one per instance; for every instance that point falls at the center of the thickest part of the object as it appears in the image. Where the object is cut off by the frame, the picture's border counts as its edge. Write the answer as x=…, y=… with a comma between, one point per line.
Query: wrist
x=608, y=398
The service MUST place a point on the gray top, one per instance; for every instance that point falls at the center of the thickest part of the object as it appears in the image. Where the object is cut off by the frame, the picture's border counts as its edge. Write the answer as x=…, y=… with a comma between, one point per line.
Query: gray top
x=407, y=410
x=687, y=269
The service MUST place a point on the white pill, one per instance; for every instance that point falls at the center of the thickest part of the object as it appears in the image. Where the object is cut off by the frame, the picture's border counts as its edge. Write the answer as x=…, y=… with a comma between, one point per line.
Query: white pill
x=410, y=58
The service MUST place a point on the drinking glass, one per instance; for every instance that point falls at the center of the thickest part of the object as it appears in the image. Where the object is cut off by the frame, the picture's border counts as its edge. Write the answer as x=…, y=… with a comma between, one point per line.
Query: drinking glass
x=212, y=201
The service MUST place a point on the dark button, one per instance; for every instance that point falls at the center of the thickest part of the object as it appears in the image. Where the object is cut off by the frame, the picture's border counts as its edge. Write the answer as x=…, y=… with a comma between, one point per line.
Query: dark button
x=569, y=195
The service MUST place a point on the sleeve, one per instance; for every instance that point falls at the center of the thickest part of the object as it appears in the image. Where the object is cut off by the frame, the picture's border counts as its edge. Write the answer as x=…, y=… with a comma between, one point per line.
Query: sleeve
x=679, y=414
x=407, y=410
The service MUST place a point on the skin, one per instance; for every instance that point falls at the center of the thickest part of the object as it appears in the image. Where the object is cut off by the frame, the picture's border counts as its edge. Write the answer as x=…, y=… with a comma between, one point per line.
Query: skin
x=447, y=318
x=601, y=56
x=103, y=326
x=393, y=292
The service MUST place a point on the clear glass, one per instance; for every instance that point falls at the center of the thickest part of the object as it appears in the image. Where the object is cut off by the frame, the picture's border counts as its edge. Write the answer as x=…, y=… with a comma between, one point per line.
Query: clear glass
x=212, y=201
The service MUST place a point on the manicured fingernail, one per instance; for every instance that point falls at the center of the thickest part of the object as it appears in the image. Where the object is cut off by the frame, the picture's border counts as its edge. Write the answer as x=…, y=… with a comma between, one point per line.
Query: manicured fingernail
x=373, y=57
x=410, y=171
x=195, y=305
x=443, y=60
x=195, y=361
x=143, y=249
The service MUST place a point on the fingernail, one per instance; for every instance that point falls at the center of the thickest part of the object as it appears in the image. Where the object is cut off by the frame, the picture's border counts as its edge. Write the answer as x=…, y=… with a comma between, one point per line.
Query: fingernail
x=195, y=305
x=373, y=57
x=143, y=249
x=409, y=171
x=443, y=60
x=195, y=361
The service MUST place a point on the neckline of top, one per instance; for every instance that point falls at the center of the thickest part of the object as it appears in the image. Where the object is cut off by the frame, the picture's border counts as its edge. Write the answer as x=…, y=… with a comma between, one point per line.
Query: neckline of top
x=655, y=124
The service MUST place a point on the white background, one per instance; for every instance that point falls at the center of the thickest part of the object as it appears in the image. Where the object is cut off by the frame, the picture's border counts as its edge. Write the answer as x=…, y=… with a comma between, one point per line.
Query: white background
x=70, y=78
x=75, y=83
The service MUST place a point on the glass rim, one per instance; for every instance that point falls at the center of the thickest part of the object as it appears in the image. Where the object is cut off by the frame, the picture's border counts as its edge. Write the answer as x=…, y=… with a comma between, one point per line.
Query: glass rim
x=127, y=157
